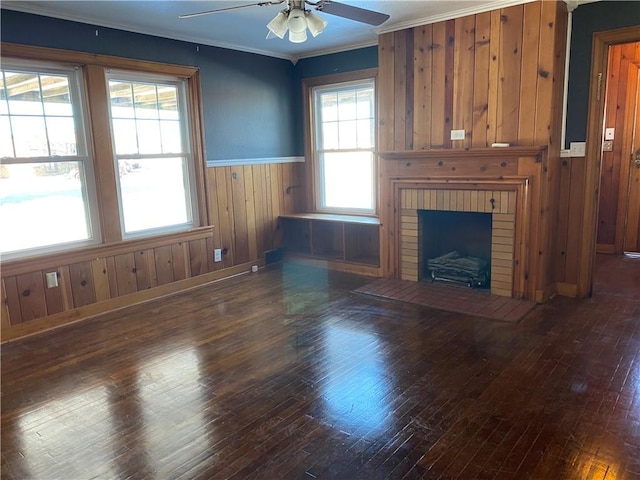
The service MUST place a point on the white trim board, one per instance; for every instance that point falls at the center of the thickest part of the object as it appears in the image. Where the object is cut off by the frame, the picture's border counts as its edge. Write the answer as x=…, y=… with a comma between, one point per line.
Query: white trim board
x=232, y=162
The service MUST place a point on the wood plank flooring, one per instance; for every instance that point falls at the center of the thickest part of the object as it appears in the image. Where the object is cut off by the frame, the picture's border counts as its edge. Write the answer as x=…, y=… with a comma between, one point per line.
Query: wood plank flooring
x=449, y=297
x=287, y=374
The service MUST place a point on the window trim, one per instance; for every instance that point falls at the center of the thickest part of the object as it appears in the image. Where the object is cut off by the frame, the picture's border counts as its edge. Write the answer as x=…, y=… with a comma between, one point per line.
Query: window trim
x=95, y=93
x=313, y=168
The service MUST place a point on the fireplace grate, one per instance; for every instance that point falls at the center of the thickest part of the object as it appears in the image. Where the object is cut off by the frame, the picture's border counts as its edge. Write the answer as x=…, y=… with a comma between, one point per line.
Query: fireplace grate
x=454, y=267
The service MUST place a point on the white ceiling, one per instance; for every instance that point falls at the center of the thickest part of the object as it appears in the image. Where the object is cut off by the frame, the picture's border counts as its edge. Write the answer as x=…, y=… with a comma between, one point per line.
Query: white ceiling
x=245, y=29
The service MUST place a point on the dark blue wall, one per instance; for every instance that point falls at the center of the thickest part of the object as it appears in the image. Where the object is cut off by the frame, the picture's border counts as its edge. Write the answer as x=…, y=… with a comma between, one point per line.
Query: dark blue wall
x=337, y=62
x=341, y=62
x=588, y=19
x=250, y=110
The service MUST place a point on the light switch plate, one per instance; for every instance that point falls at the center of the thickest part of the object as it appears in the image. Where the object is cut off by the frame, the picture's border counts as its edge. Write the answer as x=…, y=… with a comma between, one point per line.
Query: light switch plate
x=609, y=133
x=607, y=146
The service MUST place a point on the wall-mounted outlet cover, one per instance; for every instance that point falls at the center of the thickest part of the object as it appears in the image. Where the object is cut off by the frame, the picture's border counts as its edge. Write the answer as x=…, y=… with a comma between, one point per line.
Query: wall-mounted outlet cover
x=217, y=255
x=457, y=134
x=52, y=279
x=577, y=149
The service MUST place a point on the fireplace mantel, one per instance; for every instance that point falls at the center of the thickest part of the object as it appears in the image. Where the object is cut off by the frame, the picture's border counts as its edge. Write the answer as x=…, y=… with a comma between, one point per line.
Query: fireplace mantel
x=464, y=153
x=519, y=169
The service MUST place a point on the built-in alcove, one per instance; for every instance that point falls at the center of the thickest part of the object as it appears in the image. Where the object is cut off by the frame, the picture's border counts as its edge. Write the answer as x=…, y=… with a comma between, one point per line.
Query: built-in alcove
x=441, y=233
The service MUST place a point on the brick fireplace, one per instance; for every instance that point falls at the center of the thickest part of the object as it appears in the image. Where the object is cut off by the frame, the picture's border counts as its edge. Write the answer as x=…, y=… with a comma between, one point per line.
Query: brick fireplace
x=500, y=204
x=509, y=184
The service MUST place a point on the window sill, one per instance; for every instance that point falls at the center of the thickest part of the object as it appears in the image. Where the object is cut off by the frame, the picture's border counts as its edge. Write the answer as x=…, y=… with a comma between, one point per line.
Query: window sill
x=331, y=217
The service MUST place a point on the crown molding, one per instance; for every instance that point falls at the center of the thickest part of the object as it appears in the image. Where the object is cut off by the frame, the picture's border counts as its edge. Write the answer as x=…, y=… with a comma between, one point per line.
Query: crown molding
x=463, y=12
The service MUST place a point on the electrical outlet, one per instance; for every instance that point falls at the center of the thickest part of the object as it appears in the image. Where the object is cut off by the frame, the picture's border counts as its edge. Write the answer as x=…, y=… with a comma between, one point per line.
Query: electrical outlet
x=217, y=255
x=457, y=134
x=577, y=149
x=52, y=279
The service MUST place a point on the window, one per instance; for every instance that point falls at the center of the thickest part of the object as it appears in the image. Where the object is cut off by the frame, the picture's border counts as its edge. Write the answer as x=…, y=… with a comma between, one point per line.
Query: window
x=343, y=133
x=149, y=120
x=47, y=195
x=96, y=150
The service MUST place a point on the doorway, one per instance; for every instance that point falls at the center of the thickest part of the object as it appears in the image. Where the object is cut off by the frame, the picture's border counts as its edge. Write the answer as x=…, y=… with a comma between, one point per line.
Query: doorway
x=602, y=41
x=619, y=195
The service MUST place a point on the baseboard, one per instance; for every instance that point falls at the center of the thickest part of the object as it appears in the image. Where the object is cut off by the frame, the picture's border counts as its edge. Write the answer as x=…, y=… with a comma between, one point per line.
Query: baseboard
x=68, y=317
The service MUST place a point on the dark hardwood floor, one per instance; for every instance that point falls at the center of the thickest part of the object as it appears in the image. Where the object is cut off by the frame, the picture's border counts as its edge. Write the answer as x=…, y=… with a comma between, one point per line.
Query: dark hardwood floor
x=288, y=374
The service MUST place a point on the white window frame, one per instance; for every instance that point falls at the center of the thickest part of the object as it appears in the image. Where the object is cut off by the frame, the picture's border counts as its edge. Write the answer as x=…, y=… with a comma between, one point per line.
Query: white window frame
x=186, y=154
x=336, y=83
x=83, y=156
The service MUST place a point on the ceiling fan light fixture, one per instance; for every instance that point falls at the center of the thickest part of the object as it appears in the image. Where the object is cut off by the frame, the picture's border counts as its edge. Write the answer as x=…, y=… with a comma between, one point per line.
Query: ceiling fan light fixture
x=278, y=26
x=297, y=21
x=298, y=37
x=315, y=23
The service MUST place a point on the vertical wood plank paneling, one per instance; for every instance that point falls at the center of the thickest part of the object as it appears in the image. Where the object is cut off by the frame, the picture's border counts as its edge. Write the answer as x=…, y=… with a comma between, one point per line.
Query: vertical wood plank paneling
x=438, y=77
x=164, y=264
x=125, y=266
x=529, y=77
x=31, y=295
x=409, y=91
x=12, y=300
x=386, y=91
x=180, y=260
x=574, y=225
x=100, y=275
x=112, y=276
x=82, y=286
x=145, y=269
x=482, y=60
x=563, y=218
x=260, y=207
x=250, y=202
x=544, y=92
x=241, y=253
x=509, y=71
x=198, y=257
x=54, y=298
x=450, y=32
x=288, y=187
x=463, y=79
x=422, y=91
x=400, y=85
x=5, y=319
x=495, y=54
x=64, y=282
x=225, y=215
x=271, y=220
x=214, y=218
x=277, y=198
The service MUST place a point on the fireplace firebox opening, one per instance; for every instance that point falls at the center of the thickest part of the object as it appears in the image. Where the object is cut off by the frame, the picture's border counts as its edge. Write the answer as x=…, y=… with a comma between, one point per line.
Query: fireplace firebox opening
x=455, y=247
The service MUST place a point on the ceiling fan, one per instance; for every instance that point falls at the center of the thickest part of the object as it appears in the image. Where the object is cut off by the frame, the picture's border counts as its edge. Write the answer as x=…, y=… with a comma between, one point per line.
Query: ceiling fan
x=297, y=18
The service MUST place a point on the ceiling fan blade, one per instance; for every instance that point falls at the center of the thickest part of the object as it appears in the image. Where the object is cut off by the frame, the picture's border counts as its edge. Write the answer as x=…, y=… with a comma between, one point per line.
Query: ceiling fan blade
x=352, y=13
x=226, y=9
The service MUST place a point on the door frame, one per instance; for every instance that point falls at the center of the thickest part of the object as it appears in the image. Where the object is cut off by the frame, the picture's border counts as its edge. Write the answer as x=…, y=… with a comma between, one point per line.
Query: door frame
x=595, y=130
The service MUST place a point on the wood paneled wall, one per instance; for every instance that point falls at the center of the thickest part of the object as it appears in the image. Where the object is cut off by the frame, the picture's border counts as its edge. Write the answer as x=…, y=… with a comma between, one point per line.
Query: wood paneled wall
x=569, y=224
x=244, y=203
x=499, y=76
